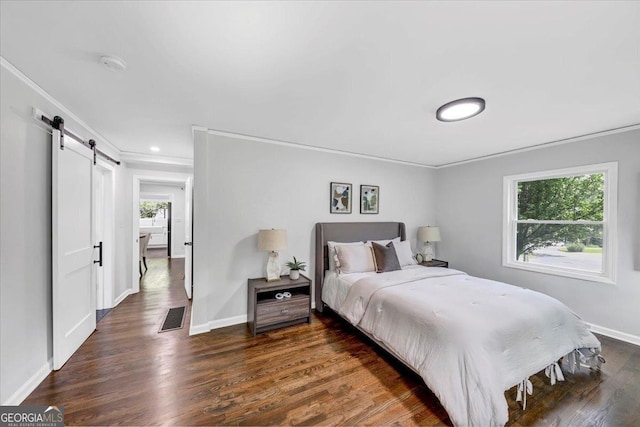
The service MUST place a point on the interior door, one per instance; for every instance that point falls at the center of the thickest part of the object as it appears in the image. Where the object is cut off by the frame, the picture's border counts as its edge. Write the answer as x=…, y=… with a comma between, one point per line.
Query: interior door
x=73, y=292
x=188, y=237
x=103, y=232
x=99, y=231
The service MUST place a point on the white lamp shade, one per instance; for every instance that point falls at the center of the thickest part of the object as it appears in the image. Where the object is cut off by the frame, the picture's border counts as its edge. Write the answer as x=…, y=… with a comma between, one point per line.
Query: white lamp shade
x=429, y=234
x=272, y=240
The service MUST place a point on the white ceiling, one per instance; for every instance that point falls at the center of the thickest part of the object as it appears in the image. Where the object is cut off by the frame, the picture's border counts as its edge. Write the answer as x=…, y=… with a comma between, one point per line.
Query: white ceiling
x=363, y=77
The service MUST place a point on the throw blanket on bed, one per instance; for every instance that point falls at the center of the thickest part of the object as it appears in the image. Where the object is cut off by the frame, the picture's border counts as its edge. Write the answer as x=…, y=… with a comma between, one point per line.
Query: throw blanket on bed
x=469, y=338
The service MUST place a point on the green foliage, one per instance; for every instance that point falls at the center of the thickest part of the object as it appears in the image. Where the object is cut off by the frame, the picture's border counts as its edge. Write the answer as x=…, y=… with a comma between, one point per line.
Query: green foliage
x=296, y=265
x=587, y=250
x=570, y=198
x=595, y=241
x=575, y=247
x=149, y=209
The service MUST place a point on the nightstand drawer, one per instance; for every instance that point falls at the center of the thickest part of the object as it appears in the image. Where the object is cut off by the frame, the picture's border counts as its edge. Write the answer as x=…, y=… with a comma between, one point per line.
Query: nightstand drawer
x=271, y=312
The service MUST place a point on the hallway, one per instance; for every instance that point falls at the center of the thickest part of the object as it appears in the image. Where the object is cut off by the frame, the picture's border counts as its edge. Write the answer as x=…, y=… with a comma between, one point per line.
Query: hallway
x=125, y=363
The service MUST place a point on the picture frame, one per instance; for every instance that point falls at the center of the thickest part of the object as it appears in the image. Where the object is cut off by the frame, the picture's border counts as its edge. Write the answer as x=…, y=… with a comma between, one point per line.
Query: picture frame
x=340, y=198
x=369, y=199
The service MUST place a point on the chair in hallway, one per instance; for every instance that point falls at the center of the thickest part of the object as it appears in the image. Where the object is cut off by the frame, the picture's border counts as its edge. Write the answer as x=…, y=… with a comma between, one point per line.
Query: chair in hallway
x=144, y=242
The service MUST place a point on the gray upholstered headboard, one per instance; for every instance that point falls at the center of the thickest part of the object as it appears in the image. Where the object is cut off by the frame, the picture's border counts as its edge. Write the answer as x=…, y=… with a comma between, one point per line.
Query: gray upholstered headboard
x=348, y=232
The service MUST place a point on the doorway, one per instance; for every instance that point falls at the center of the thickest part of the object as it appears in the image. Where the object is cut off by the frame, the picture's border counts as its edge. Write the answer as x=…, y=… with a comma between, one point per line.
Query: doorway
x=104, y=199
x=155, y=220
x=174, y=215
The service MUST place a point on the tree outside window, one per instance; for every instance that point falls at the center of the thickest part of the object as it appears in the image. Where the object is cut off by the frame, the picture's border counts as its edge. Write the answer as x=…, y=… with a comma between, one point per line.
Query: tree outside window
x=562, y=220
x=571, y=200
x=150, y=209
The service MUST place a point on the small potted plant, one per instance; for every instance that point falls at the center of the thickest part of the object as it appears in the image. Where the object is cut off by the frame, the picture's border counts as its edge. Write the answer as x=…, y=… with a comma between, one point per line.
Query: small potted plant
x=295, y=267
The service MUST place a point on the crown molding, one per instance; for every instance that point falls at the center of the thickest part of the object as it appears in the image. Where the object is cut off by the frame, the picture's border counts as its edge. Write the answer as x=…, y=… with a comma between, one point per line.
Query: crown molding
x=308, y=147
x=139, y=158
x=68, y=113
x=442, y=166
x=613, y=131
x=196, y=128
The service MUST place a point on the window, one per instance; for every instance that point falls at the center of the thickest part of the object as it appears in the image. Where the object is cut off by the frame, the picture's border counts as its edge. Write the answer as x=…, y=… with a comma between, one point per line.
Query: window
x=153, y=209
x=562, y=222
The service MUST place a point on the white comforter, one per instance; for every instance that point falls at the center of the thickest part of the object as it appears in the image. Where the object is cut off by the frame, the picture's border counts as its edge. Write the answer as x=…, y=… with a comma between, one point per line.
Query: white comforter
x=469, y=338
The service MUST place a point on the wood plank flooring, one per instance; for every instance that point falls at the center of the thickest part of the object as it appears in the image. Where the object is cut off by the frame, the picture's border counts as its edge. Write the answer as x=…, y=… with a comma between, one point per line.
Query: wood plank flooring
x=157, y=253
x=323, y=373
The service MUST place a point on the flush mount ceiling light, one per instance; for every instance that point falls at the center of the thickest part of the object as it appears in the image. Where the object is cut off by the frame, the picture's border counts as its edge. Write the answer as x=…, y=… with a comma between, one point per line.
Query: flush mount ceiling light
x=113, y=63
x=460, y=109
x=154, y=149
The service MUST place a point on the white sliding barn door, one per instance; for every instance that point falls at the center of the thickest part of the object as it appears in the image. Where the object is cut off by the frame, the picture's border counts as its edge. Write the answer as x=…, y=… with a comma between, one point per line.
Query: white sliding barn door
x=73, y=296
x=188, y=236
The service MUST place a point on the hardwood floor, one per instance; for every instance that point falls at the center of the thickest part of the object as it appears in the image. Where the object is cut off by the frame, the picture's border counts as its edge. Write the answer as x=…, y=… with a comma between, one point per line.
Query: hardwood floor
x=157, y=253
x=323, y=373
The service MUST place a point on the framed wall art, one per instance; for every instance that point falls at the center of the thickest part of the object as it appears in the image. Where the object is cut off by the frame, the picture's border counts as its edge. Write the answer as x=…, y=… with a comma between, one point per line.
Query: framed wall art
x=369, y=199
x=340, y=199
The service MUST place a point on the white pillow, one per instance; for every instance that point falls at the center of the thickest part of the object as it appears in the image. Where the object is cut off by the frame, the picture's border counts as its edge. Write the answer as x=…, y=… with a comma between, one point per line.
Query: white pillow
x=332, y=252
x=355, y=259
x=403, y=251
x=382, y=242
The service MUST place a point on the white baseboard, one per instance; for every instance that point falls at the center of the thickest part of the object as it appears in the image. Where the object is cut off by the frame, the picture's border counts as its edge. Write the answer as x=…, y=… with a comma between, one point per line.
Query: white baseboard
x=199, y=329
x=177, y=256
x=122, y=297
x=229, y=321
x=215, y=324
x=612, y=333
x=23, y=392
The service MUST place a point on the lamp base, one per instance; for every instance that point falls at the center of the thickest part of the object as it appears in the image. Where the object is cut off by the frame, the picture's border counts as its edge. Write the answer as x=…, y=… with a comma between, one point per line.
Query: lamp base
x=427, y=252
x=273, y=267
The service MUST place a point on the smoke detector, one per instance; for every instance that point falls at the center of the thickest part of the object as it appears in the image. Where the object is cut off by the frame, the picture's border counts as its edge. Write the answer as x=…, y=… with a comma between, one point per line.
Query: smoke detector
x=113, y=63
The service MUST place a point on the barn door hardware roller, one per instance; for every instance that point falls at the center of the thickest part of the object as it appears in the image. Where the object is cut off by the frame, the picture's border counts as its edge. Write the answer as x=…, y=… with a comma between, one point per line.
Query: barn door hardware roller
x=58, y=123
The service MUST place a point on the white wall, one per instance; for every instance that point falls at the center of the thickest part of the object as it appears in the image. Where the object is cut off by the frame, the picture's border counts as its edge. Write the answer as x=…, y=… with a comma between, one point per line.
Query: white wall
x=25, y=230
x=177, y=213
x=469, y=212
x=241, y=186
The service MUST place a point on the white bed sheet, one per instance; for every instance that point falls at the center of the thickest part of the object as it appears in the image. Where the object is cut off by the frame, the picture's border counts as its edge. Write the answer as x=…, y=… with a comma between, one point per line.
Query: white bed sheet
x=457, y=332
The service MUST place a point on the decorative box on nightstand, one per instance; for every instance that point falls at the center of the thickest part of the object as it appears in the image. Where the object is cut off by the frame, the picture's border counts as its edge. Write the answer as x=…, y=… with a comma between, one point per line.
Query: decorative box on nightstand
x=266, y=312
x=435, y=263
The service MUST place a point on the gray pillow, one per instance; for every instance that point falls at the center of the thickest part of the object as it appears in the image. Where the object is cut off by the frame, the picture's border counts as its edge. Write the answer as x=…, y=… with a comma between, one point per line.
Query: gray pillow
x=386, y=257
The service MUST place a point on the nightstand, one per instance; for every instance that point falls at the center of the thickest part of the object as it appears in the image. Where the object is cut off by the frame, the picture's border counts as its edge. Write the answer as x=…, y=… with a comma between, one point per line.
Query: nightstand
x=435, y=263
x=266, y=312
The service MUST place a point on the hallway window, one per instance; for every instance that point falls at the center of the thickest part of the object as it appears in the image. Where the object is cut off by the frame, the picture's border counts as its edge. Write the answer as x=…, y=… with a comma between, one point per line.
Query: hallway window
x=153, y=210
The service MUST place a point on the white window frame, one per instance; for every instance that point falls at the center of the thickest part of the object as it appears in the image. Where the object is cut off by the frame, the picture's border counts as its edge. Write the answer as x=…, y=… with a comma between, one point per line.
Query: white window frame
x=609, y=223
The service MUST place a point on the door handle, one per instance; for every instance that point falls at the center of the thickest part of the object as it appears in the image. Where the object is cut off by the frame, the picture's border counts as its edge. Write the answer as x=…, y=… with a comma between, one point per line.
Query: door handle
x=188, y=243
x=99, y=261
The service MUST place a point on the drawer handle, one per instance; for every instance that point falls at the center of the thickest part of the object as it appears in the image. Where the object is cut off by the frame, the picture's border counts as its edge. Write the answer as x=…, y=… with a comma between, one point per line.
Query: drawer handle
x=284, y=310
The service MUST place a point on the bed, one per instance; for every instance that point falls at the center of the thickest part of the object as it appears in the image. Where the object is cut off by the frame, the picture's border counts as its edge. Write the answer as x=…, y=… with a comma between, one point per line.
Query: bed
x=470, y=339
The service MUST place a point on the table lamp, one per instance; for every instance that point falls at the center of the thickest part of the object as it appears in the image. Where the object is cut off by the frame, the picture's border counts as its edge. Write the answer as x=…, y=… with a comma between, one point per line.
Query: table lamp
x=427, y=235
x=272, y=241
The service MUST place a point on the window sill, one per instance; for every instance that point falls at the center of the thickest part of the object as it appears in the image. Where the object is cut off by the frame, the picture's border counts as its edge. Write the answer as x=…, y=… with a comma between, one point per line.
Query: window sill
x=563, y=272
